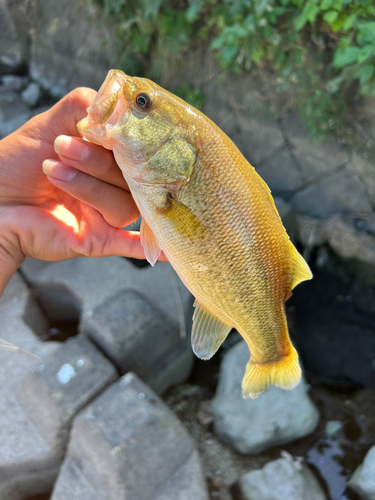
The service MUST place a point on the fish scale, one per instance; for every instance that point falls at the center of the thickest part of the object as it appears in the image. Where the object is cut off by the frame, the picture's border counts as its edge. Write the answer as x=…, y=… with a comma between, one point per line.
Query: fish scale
x=206, y=207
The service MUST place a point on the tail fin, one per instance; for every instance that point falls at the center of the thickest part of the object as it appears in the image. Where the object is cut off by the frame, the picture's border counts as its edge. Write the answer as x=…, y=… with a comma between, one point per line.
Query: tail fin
x=284, y=373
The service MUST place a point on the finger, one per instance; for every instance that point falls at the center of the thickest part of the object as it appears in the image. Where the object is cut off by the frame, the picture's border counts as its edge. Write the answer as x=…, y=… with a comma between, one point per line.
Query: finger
x=62, y=118
x=91, y=159
x=116, y=205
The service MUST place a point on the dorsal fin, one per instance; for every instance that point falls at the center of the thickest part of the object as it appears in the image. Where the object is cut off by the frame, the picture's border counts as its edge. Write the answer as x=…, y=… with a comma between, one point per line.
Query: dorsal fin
x=208, y=333
x=268, y=191
x=300, y=268
x=149, y=243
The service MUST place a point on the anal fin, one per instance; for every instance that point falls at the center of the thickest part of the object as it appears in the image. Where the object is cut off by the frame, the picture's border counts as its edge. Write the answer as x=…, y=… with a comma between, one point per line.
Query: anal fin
x=208, y=333
x=149, y=243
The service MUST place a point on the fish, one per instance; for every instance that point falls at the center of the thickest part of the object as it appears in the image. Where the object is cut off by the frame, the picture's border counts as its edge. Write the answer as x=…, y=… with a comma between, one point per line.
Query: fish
x=212, y=215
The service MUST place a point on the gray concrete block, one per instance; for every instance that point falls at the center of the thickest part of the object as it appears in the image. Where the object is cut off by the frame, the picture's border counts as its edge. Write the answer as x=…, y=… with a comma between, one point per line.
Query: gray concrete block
x=280, y=173
x=338, y=192
x=281, y=479
x=61, y=386
x=253, y=425
x=128, y=445
x=138, y=337
x=35, y=411
x=314, y=159
x=95, y=283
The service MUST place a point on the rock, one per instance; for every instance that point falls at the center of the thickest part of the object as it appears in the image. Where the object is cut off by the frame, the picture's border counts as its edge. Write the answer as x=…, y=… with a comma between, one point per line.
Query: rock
x=283, y=478
x=314, y=159
x=332, y=317
x=363, y=479
x=137, y=336
x=67, y=49
x=13, y=82
x=86, y=287
x=13, y=113
x=12, y=45
x=338, y=192
x=280, y=173
x=244, y=115
x=31, y=94
x=254, y=425
x=128, y=444
x=365, y=168
x=347, y=242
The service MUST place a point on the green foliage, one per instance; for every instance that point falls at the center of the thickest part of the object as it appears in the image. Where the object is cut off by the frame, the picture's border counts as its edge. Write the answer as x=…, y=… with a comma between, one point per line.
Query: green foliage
x=193, y=97
x=317, y=48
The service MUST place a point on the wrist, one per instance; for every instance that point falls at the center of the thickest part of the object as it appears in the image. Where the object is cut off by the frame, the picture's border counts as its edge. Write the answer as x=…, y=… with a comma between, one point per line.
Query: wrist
x=11, y=256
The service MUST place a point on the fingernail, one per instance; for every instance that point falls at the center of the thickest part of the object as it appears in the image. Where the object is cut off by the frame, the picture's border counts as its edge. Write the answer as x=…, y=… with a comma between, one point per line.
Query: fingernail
x=58, y=170
x=71, y=148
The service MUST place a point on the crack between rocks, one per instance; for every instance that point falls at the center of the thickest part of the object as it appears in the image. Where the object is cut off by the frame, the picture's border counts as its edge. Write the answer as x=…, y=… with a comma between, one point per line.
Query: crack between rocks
x=364, y=185
x=317, y=179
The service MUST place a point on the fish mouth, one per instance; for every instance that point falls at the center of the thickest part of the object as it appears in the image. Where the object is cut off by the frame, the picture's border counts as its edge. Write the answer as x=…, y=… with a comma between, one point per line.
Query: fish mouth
x=109, y=109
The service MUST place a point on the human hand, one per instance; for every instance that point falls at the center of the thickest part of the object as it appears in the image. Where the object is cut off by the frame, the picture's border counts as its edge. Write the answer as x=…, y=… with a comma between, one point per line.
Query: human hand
x=81, y=177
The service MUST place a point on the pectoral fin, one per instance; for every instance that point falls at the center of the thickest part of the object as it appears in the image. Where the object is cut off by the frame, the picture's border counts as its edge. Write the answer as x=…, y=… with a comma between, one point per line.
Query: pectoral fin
x=183, y=219
x=149, y=243
x=208, y=333
x=300, y=268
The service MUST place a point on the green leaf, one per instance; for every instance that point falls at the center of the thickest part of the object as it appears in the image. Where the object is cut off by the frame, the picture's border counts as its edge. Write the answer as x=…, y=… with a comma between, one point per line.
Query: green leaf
x=229, y=52
x=365, y=53
x=367, y=31
x=330, y=16
x=365, y=73
x=337, y=24
x=326, y=4
x=343, y=57
x=349, y=21
x=192, y=12
x=217, y=43
x=337, y=4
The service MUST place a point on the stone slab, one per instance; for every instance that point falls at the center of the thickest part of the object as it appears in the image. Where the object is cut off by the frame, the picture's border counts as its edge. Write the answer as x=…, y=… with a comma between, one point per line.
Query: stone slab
x=128, y=444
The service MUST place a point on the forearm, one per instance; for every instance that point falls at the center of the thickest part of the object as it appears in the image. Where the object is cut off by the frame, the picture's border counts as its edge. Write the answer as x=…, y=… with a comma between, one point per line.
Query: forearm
x=11, y=256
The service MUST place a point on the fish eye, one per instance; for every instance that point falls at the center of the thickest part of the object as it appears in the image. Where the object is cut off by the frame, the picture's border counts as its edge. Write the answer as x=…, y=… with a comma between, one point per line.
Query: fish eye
x=143, y=100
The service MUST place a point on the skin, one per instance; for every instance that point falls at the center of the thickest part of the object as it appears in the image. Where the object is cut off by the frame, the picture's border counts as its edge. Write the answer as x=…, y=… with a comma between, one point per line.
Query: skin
x=81, y=176
x=210, y=213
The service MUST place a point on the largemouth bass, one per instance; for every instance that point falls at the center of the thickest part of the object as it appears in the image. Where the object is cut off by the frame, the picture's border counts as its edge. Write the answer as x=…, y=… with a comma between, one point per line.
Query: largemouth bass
x=206, y=207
